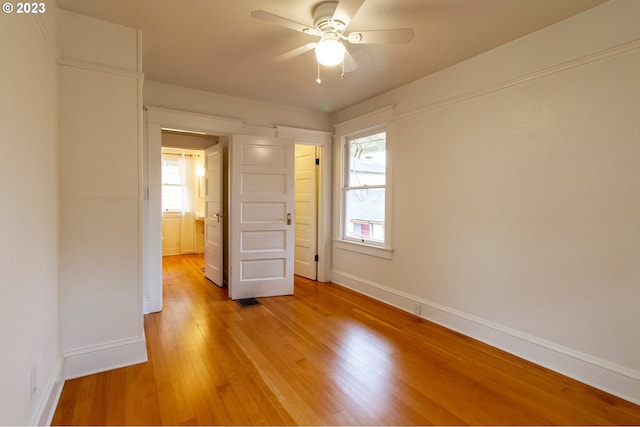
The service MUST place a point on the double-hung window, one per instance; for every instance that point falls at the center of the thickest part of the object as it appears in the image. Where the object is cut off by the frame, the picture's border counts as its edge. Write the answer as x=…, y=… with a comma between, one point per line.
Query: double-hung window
x=365, y=187
x=365, y=184
x=171, y=183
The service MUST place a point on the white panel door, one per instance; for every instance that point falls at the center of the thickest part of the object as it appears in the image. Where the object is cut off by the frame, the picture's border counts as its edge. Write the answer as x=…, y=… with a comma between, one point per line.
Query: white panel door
x=261, y=214
x=213, y=222
x=306, y=227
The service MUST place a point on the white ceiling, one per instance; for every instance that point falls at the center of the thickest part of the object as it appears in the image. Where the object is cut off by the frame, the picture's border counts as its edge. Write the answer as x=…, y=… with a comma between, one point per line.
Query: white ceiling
x=216, y=46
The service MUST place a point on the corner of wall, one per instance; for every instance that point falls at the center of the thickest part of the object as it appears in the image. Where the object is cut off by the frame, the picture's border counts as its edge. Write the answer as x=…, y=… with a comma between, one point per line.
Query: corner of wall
x=100, y=84
x=43, y=415
x=100, y=358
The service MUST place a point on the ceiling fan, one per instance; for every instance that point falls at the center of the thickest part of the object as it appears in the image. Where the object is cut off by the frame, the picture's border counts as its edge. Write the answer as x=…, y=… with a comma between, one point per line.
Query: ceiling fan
x=330, y=20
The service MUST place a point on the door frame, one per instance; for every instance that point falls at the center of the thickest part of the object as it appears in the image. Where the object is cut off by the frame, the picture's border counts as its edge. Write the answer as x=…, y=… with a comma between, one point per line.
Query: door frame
x=323, y=140
x=307, y=166
x=157, y=119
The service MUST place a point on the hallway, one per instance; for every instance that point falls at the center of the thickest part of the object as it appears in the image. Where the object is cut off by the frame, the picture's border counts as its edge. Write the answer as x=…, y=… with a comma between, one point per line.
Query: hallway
x=326, y=356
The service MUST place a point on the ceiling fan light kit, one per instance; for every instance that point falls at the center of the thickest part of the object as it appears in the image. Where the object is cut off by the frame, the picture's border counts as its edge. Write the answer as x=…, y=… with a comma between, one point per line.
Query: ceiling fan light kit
x=330, y=50
x=330, y=20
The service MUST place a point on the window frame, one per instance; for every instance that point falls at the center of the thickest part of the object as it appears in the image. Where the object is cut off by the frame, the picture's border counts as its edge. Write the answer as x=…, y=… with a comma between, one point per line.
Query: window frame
x=349, y=186
x=375, y=122
x=165, y=155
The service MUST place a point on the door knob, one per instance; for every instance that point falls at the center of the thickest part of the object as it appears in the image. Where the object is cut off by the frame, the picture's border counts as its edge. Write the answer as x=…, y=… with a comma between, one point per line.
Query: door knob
x=288, y=219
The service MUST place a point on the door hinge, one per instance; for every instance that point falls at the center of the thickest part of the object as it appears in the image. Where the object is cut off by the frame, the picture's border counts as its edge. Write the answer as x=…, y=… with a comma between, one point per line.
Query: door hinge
x=317, y=161
x=316, y=258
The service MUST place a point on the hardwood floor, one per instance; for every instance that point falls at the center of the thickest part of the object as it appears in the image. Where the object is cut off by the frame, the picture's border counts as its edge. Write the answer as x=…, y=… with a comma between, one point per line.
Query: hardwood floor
x=323, y=356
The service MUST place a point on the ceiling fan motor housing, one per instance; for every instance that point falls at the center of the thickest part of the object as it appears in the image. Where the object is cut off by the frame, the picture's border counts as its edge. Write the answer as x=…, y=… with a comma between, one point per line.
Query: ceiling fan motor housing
x=323, y=18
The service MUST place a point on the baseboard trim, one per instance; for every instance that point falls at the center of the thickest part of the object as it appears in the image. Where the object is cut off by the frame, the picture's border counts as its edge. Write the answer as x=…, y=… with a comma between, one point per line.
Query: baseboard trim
x=100, y=358
x=46, y=407
x=146, y=305
x=616, y=380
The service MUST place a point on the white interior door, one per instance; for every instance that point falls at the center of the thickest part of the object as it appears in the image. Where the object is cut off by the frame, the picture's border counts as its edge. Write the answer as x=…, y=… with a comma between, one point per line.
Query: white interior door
x=261, y=214
x=306, y=226
x=213, y=243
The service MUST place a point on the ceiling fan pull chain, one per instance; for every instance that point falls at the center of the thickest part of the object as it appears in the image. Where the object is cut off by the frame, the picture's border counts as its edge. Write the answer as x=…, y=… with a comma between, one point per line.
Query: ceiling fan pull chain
x=318, y=79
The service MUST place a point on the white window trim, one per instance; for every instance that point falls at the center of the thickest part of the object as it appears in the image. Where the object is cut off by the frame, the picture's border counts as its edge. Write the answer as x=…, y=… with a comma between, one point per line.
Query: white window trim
x=347, y=139
x=165, y=154
x=363, y=248
x=382, y=118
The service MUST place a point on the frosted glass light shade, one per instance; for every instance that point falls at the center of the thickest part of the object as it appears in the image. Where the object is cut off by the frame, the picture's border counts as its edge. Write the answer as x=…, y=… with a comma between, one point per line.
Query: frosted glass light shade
x=330, y=52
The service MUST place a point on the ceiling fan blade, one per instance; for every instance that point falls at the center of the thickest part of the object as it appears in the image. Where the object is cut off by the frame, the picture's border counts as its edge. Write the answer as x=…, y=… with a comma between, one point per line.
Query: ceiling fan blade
x=346, y=10
x=279, y=20
x=295, y=52
x=401, y=35
x=349, y=63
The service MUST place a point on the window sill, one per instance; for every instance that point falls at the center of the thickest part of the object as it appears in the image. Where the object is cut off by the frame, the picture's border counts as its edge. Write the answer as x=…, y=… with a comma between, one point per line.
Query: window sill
x=377, y=251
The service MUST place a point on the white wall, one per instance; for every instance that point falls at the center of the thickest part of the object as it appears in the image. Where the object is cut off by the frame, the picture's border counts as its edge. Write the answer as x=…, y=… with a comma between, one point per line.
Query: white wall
x=100, y=182
x=516, y=202
x=28, y=220
x=250, y=112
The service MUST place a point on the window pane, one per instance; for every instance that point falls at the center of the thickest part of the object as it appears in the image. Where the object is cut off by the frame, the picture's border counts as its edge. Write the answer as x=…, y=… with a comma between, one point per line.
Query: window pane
x=171, y=188
x=170, y=170
x=171, y=198
x=365, y=214
x=367, y=160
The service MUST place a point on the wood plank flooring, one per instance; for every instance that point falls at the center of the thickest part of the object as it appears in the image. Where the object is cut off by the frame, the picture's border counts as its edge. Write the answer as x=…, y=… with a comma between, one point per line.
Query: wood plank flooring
x=325, y=356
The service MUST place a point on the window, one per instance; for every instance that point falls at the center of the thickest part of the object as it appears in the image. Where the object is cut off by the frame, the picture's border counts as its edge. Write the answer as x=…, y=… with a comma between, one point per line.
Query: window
x=171, y=183
x=365, y=187
x=364, y=183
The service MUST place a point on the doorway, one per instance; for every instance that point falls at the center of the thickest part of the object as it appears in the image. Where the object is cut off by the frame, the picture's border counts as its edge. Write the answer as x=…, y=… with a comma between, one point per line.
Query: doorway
x=182, y=190
x=157, y=120
x=306, y=211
